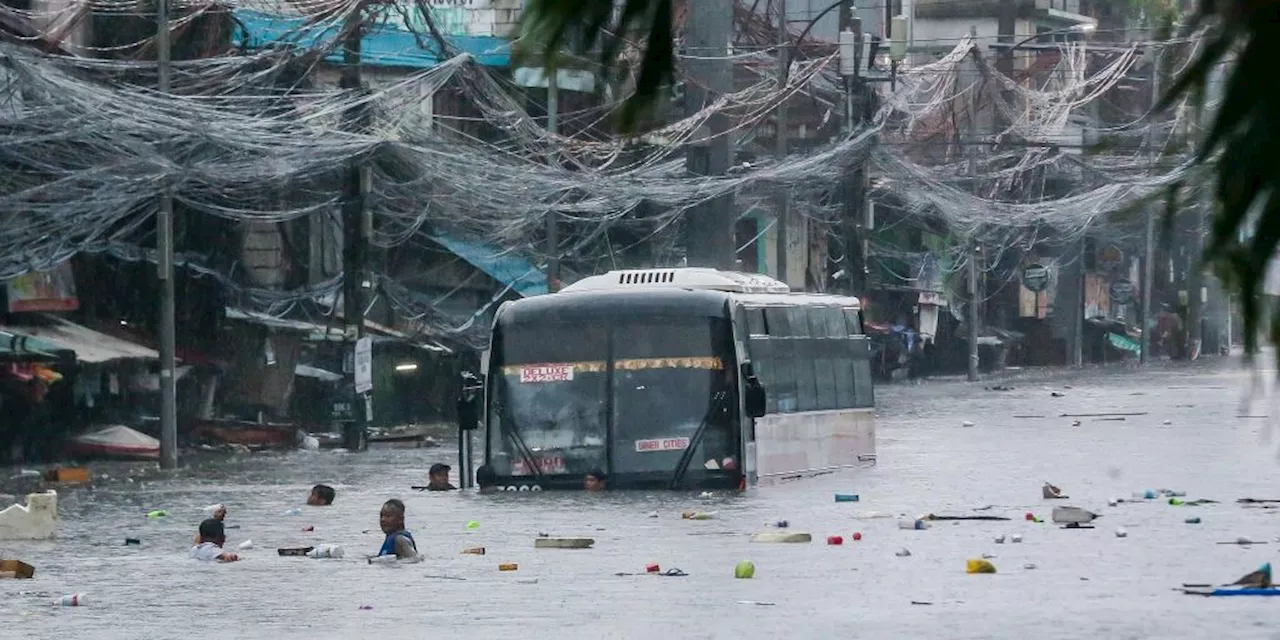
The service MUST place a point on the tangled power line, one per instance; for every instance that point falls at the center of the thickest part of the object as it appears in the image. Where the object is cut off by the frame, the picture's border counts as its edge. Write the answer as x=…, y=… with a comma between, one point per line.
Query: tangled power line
x=89, y=149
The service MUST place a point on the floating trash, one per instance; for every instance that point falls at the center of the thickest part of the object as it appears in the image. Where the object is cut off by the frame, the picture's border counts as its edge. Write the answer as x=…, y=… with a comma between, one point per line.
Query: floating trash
x=1015, y=538
x=473, y=525
x=756, y=602
x=1000, y=539
x=473, y=551
x=966, y=423
x=1029, y=566
x=246, y=545
x=132, y=541
x=1192, y=521
x=917, y=524
x=653, y=514
x=847, y=497
x=158, y=513
x=744, y=570
x=526, y=581
x=1121, y=533
x=980, y=566
x=781, y=537
x=508, y=566
x=1051, y=492
x=563, y=543
x=366, y=607
x=857, y=536
x=293, y=512
x=835, y=540
x=72, y=600
x=652, y=567
x=903, y=553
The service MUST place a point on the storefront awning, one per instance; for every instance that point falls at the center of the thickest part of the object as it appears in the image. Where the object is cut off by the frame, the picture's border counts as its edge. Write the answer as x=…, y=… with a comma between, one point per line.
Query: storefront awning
x=90, y=346
x=508, y=268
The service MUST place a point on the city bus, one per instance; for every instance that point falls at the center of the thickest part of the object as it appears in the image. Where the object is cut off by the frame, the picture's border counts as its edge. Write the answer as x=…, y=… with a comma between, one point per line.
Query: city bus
x=681, y=378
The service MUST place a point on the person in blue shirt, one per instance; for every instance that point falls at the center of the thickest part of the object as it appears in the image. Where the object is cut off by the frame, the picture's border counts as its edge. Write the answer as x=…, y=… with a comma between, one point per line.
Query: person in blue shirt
x=399, y=542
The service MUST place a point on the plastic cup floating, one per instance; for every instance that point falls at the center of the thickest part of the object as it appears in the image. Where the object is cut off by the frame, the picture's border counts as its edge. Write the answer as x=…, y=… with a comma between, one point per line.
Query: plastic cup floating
x=72, y=600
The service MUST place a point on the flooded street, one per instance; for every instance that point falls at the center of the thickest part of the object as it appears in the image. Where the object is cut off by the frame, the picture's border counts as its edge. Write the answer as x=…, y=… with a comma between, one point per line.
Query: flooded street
x=1086, y=583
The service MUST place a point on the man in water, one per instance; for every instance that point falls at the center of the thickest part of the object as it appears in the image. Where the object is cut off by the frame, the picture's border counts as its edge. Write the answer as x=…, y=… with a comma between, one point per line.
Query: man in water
x=438, y=478
x=487, y=480
x=322, y=495
x=209, y=544
x=595, y=480
x=399, y=542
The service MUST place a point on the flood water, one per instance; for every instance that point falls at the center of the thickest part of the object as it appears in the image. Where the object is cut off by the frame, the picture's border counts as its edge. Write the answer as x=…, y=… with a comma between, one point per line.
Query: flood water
x=1086, y=583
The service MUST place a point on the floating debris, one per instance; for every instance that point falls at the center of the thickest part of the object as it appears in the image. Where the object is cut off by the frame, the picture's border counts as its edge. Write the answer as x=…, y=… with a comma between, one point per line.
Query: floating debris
x=744, y=570
x=903, y=553
x=781, y=537
x=980, y=566
x=757, y=603
x=1073, y=517
x=1051, y=492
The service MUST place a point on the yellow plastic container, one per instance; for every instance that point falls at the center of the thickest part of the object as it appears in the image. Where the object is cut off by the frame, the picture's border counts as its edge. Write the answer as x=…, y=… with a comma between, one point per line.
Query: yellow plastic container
x=980, y=566
x=508, y=566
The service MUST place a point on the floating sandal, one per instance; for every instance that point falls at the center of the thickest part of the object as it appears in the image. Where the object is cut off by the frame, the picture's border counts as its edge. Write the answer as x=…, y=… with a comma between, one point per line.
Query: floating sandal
x=673, y=573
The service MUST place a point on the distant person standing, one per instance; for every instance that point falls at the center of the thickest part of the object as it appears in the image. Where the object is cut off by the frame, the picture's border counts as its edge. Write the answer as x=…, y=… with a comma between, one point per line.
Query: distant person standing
x=399, y=542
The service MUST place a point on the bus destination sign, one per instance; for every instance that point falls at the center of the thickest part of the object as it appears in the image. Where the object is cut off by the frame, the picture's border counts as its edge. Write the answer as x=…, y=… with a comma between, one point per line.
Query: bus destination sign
x=662, y=444
x=536, y=373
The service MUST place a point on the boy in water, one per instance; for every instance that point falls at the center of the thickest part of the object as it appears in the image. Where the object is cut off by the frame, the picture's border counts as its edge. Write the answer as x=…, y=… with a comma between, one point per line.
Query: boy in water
x=322, y=495
x=595, y=480
x=399, y=542
x=209, y=544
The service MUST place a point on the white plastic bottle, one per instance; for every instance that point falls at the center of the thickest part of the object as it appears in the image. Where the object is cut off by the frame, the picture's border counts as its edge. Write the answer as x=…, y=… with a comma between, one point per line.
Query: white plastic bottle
x=72, y=600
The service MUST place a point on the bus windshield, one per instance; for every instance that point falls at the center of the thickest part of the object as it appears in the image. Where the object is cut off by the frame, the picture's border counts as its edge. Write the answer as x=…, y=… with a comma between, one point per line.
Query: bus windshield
x=626, y=398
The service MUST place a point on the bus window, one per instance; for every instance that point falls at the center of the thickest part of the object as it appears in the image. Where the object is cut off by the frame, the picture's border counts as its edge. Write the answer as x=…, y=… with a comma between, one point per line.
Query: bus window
x=824, y=370
x=864, y=394
x=843, y=374
x=833, y=323
x=765, y=363
x=671, y=374
x=547, y=399
x=776, y=322
x=853, y=320
x=801, y=355
x=755, y=321
x=799, y=320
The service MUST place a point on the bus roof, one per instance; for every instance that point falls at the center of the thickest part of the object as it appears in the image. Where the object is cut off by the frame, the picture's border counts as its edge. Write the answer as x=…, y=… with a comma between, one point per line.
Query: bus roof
x=681, y=278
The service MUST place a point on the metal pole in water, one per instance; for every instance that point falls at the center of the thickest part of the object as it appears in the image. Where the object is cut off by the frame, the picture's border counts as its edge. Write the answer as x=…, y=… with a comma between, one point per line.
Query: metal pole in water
x=164, y=247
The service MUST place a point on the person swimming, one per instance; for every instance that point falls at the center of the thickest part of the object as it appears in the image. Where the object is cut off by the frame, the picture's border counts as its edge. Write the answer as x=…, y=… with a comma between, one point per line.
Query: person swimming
x=487, y=480
x=322, y=495
x=399, y=542
x=595, y=480
x=209, y=544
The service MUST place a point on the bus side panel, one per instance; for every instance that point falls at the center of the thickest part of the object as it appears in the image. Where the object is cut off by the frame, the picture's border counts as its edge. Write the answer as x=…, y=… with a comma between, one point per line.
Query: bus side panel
x=790, y=444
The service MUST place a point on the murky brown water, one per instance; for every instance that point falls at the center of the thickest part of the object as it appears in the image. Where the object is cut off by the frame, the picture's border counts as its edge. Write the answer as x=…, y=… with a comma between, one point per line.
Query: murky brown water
x=1086, y=584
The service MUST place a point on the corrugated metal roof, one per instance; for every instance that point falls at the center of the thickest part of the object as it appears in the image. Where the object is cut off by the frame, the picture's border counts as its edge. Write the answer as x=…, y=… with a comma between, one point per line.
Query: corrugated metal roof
x=383, y=45
x=89, y=345
x=506, y=267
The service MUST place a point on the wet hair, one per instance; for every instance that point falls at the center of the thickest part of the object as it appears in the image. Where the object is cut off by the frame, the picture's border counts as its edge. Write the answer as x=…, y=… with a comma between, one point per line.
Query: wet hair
x=395, y=504
x=485, y=477
x=597, y=474
x=212, y=529
x=439, y=468
x=326, y=493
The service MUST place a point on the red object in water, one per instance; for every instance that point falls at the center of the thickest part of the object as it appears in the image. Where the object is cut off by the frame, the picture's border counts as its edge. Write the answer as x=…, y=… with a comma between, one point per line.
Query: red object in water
x=1031, y=516
x=308, y=528
x=856, y=536
x=835, y=540
x=652, y=567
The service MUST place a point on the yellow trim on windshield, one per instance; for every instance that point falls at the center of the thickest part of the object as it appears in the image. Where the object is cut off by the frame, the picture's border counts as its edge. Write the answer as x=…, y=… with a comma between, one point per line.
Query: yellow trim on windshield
x=632, y=364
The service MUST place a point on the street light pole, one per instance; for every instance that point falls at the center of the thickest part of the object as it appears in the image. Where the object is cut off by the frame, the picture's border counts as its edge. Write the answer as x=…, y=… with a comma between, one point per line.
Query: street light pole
x=164, y=247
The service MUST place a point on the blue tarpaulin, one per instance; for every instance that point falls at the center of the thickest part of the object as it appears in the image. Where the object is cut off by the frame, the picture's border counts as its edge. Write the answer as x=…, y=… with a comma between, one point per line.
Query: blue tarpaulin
x=383, y=45
x=504, y=266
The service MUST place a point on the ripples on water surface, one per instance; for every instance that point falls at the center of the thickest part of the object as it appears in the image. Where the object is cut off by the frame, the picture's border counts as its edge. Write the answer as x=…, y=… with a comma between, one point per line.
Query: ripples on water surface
x=1087, y=584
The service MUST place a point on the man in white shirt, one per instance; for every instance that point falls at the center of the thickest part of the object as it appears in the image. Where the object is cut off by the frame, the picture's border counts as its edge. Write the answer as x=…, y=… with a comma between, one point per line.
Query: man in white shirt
x=209, y=545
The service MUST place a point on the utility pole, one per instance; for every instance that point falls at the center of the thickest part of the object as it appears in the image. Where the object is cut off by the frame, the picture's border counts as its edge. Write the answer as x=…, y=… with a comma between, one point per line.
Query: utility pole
x=974, y=297
x=854, y=217
x=781, y=133
x=354, y=223
x=708, y=227
x=1149, y=246
x=164, y=247
x=553, y=223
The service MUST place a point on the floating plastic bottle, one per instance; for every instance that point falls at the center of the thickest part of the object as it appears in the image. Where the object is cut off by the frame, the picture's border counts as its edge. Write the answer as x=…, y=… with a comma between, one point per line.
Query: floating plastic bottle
x=246, y=545
x=916, y=524
x=72, y=600
x=158, y=513
x=473, y=551
x=508, y=566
